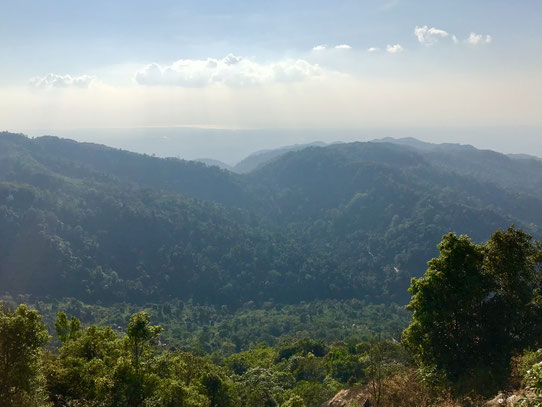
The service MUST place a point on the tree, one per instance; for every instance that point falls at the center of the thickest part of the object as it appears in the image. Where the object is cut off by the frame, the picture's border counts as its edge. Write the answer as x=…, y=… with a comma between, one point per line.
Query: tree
x=84, y=367
x=259, y=387
x=140, y=335
x=474, y=309
x=22, y=336
x=216, y=389
x=382, y=359
x=294, y=401
x=65, y=329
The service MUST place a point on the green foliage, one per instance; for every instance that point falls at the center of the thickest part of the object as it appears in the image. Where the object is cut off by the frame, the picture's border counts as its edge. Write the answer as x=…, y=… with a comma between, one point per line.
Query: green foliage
x=224, y=331
x=527, y=360
x=344, y=365
x=475, y=308
x=262, y=356
x=67, y=330
x=308, y=368
x=265, y=271
x=382, y=360
x=98, y=367
x=174, y=393
x=314, y=394
x=533, y=383
x=62, y=327
x=22, y=335
x=140, y=336
x=260, y=387
x=85, y=366
x=294, y=401
x=102, y=368
x=341, y=222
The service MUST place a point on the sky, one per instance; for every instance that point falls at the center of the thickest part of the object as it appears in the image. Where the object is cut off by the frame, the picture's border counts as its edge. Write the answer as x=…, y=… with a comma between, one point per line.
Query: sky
x=70, y=66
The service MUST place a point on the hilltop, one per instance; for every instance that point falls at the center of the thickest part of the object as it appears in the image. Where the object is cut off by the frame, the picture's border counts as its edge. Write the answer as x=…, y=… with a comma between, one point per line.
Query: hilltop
x=352, y=220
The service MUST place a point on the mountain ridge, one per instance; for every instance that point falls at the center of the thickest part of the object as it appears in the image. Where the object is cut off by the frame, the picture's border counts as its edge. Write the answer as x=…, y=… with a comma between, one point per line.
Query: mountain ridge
x=352, y=220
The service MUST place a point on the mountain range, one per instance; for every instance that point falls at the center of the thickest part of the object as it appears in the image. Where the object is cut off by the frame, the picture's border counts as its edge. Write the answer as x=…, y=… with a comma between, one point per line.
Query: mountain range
x=341, y=221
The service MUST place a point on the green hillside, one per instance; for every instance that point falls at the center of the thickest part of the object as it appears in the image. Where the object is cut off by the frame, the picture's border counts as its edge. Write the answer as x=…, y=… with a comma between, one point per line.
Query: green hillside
x=345, y=221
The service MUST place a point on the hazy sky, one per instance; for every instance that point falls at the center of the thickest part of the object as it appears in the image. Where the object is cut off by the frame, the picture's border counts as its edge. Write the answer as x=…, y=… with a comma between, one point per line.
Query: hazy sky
x=270, y=64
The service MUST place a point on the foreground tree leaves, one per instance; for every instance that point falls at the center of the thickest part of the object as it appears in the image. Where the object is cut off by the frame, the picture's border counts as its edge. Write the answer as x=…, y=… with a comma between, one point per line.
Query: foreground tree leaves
x=22, y=335
x=476, y=307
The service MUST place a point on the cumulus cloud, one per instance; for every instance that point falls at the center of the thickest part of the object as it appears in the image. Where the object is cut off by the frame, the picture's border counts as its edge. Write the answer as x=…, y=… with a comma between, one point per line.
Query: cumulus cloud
x=343, y=46
x=476, y=39
x=429, y=36
x=319, y=48
x=61, y=81
x=372, y=49
x=394, y=49
x=232, y=71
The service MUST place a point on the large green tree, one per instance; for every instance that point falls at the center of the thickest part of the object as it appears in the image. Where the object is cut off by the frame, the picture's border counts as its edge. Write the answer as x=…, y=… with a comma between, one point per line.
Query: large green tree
x=140, y=336
x=476, y=306
x=22, y=336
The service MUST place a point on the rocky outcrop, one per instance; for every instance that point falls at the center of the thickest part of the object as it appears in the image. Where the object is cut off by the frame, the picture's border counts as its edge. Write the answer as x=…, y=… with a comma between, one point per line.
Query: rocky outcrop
x=346, y=398
x=506, y=400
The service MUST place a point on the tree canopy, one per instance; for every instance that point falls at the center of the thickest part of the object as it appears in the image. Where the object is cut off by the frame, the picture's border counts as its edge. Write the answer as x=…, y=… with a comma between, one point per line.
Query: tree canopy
x=476, y=306
x=22, y=336
x=345, y=221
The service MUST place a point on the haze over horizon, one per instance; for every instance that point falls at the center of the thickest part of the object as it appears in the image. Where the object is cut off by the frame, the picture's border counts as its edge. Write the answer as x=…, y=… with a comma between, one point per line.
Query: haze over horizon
x=267, y=75
x=233, y=145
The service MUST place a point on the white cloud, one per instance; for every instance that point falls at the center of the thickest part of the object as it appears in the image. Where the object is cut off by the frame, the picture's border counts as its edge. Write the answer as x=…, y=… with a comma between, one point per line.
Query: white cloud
x=343, y=46
x=61, y=81
x=429, y=36
x=232, y=71
x=372, y=49
x=476, y=39
x=333, y=101
x=319, y=48
x=454, y=39
x=394, y=49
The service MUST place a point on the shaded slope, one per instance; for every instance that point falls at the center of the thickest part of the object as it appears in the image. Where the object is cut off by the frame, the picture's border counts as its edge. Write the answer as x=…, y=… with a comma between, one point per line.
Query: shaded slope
x=261, y=158
x=517, y=173
x=353, y=220
x=93, y=161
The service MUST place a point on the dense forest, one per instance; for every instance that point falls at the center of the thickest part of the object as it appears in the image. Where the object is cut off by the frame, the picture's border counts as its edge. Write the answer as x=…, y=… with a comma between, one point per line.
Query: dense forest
x=476, y=325
x=163, y=282
x=345, y=221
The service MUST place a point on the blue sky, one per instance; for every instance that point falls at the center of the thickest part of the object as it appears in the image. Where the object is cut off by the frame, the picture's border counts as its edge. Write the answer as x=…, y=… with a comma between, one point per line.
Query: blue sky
x=264, y=64
x=79, y=37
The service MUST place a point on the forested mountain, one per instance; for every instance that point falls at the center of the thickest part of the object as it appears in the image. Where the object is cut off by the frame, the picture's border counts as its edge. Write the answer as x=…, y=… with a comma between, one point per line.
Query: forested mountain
x=260, y=158
x=354, y=220
x=216, y=163
x=515, y=172
x=524, y=157
x=48, y=158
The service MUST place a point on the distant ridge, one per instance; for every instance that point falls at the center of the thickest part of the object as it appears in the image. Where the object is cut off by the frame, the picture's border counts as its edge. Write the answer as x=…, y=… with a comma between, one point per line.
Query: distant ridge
x=258, y=159
x=262, y=157
x=516, y=172
x=524, y=157
x=424, y=145
x=214, y=163
x=407, y=141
